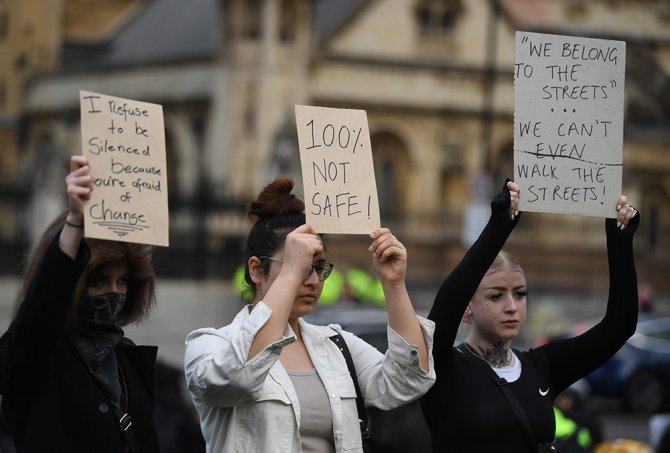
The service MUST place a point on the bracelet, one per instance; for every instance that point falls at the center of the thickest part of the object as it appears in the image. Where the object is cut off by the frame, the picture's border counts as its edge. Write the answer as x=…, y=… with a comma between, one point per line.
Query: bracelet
x=74, y=224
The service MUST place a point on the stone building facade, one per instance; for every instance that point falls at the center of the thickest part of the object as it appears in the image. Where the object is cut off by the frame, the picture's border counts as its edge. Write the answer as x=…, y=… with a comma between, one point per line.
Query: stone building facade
x=434, y=76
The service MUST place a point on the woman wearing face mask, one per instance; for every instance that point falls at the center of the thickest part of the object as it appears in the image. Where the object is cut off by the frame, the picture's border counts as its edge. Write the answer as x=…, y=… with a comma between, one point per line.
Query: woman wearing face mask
x=489, y=396
x=270, y=381
x=71, y=380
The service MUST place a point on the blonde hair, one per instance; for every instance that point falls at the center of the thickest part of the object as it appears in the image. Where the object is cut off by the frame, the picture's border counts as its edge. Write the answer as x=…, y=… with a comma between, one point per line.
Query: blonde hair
x=504, y=259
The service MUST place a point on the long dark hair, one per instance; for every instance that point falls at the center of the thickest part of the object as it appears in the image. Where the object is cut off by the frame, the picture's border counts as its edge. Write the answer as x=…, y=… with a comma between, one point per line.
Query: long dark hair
x=141, y=296
x=274, y=214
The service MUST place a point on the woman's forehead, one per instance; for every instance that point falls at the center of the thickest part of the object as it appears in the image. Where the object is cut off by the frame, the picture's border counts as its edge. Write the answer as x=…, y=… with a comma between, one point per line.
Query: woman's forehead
x=113, y=267
x=504, y=274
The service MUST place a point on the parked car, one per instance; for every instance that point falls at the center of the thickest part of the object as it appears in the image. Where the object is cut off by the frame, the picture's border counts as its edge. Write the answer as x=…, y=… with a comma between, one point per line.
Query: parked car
x=399, y=430
x=639, y=373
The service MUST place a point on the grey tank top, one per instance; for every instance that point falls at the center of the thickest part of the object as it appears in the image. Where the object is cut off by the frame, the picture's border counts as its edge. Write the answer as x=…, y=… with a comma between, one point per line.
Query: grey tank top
x=316, y=421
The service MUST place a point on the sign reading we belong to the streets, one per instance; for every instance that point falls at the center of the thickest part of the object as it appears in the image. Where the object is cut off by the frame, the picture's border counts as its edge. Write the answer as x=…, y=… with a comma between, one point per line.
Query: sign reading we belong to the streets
x=568, y=123
x=124, y=140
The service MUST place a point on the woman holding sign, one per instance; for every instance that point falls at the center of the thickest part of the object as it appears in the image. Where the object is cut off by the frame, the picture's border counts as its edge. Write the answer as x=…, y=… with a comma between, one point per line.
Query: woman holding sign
x=489, y=396
x=269, y=381
x=71, y=380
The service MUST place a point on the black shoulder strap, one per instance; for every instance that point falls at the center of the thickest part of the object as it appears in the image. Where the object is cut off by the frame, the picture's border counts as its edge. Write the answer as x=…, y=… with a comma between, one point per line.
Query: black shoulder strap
x=519, y=412
x=362, y=414
x=125, y=422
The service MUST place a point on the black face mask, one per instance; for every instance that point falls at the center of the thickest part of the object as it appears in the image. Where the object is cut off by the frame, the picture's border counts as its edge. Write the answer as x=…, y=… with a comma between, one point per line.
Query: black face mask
x=100, y=311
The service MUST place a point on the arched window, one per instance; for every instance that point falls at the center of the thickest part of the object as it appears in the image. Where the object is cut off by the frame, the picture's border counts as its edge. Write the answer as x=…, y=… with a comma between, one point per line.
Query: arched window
x=287, y=20
x=656, y=211
x=437, y=16
x=285, y=158
x=4, y=24
x=391, y=163
x=251, y=19
x=171, y=163
x=503, y=165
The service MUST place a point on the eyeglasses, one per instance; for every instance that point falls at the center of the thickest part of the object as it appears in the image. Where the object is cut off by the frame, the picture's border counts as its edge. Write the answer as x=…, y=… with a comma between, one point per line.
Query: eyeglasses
x=323, y=268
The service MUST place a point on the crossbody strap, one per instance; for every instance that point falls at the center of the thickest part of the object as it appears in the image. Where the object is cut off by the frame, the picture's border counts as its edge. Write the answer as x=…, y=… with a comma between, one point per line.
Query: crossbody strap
x=125, y=422
x=518, y=410
x=362, y=414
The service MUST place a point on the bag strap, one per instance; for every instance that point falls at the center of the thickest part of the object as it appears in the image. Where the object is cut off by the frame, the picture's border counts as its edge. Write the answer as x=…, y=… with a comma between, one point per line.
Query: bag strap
x=518, y=410
x=362, y=414
x=125, y=421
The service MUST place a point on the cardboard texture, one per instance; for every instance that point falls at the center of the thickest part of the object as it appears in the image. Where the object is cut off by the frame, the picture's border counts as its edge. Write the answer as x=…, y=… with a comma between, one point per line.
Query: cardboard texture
x=568, y=123
x=124, y=141
x=337, y=170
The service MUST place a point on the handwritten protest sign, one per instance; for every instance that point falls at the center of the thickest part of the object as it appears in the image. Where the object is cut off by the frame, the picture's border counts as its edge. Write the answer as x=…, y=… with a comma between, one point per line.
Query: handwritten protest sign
x=337, y=170
x=124, y=141
x=568, y=123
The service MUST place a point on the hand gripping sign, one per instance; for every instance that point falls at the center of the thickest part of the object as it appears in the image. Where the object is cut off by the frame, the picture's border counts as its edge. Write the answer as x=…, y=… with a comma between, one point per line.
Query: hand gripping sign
x=124, y=141
x=337, y=170
x=568, y=123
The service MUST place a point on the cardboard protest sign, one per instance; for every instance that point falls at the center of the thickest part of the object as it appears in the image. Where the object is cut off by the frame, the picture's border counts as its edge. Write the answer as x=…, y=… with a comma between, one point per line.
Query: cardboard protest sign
x=337, y=170
x=568, y=123
x=124, y=141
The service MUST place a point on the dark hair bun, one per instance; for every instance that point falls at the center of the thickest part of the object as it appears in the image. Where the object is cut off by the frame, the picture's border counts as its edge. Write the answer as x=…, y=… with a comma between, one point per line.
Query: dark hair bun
x=275, y=200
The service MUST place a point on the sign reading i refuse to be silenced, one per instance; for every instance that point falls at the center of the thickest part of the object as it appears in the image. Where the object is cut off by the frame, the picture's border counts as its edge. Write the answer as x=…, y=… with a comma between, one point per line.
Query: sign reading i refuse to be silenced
x=124, y=141
x=568, y=123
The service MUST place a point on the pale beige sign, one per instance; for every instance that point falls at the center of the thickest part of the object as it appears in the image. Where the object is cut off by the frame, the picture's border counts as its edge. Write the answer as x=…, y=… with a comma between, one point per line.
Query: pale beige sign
x=124, y=141
x=568, y=123
x=337, y=170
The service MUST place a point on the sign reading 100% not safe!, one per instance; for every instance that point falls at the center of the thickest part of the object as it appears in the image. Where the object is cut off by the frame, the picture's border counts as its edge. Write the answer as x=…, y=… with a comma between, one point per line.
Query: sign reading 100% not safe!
x=337, y=170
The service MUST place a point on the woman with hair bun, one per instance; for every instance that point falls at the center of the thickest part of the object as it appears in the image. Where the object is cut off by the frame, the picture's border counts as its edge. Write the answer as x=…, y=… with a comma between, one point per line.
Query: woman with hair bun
x=270, y=381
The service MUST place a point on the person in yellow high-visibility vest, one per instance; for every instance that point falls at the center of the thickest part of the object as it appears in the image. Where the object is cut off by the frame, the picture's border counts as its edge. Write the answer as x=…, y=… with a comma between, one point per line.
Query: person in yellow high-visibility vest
x=365, y=287
x=332, y=288
x=570, y=437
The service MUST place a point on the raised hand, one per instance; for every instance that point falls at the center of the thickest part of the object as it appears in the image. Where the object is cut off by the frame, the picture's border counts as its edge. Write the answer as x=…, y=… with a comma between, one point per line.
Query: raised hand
x=389, y=256
x=625, y=212
x=514, y=193
x=506, y=202
x=301, y=245
x=79, y=185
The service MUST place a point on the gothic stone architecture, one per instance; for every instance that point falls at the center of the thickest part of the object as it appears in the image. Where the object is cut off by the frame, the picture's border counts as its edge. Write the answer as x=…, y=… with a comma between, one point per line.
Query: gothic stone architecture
x=434, y=76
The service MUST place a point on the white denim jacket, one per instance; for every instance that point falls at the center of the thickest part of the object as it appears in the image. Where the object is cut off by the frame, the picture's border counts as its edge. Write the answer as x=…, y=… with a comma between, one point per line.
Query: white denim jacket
x=253, y=407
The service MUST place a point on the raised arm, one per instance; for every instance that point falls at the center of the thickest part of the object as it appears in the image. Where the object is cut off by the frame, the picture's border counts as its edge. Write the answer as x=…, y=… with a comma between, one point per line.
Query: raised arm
x=50, y=281
x=575, y=358
x=79, y=184
x=457, y=290
x=299, y=249
x=389, y=258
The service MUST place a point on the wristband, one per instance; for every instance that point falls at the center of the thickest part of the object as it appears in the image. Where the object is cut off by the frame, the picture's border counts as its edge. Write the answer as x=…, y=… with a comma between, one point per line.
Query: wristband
x=74, y=224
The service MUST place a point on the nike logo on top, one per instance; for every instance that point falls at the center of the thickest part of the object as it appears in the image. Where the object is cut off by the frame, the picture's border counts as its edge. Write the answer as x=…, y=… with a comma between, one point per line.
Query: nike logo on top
x=543, y=392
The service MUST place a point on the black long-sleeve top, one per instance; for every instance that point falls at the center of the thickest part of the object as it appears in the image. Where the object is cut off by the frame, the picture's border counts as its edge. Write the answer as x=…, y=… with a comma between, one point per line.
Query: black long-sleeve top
x=50, y=401
x=465, y=410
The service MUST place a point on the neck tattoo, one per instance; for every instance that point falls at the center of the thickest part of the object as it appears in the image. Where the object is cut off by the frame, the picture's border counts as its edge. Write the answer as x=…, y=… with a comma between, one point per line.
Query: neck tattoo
x=497, y=356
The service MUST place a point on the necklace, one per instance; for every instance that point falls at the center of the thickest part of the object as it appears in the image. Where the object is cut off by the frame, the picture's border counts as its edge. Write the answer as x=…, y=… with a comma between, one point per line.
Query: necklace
x=497, y=357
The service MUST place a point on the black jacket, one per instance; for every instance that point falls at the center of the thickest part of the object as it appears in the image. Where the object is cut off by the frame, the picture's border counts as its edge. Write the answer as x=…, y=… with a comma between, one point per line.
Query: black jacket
x=50, y=401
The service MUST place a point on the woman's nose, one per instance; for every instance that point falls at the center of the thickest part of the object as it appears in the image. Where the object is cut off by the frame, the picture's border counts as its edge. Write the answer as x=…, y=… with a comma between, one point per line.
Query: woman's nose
x=510, y=303
x=313, y=278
